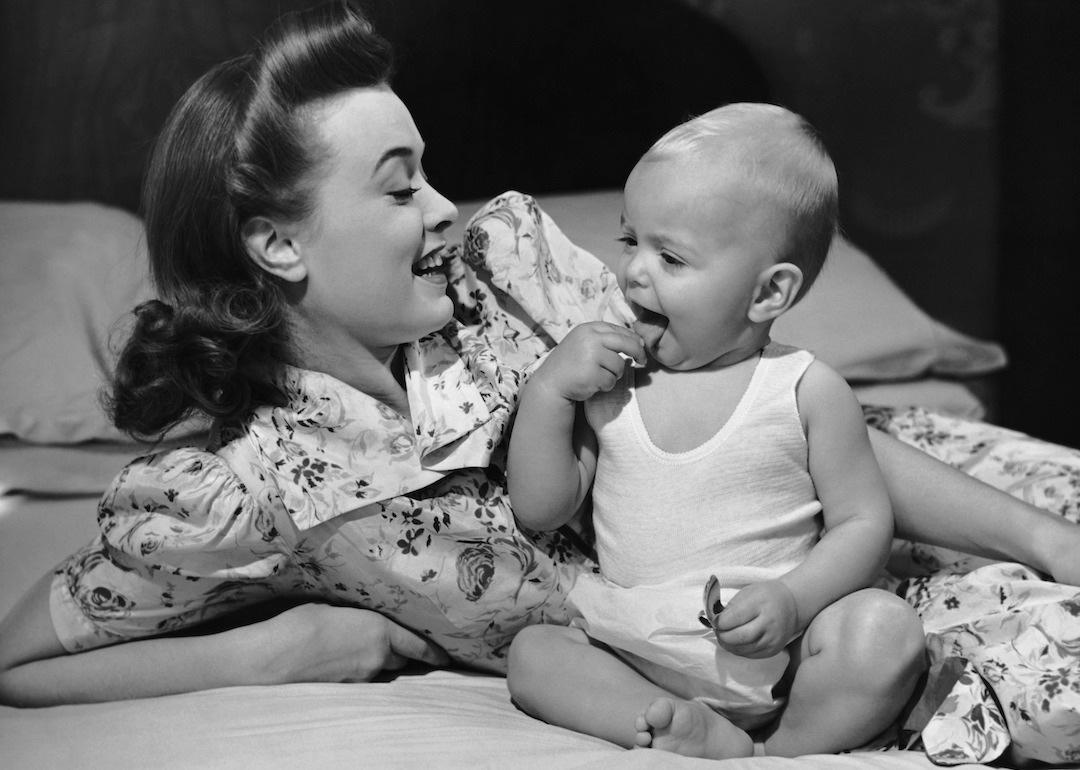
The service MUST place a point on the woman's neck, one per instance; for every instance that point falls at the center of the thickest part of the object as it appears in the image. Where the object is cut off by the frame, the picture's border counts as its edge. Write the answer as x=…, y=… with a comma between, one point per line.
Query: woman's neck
x=379, y=374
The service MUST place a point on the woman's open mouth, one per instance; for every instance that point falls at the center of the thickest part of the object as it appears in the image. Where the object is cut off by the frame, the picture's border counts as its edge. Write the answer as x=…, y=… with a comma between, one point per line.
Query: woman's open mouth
x=431, y=267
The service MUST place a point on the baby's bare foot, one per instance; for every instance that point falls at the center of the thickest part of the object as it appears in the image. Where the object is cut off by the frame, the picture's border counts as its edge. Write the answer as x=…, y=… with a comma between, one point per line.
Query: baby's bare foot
x=691, y=729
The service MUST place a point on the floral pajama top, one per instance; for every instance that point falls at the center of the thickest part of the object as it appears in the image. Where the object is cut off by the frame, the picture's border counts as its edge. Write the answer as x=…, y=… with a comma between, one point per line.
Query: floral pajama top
x=336, y=497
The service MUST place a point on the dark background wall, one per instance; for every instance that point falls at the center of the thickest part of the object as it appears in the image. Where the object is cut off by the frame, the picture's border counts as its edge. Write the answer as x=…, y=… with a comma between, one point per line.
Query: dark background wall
x=955, y=127
x=1039, y=221
x=556, y=95
x=954, y=124
x=904, y=93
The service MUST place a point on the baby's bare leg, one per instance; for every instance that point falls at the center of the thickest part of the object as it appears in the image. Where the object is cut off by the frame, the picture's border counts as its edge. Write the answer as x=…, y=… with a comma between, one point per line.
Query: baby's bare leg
x=559, y=675
x=857, y=665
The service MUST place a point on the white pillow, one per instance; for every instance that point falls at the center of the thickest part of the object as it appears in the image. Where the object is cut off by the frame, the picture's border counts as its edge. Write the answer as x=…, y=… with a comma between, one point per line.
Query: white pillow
x=68, y=272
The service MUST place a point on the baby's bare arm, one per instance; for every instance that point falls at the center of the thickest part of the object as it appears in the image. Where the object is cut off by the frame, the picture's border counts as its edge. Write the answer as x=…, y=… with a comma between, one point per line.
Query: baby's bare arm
x=764, y=617
x=552, y=457
x=858, y=523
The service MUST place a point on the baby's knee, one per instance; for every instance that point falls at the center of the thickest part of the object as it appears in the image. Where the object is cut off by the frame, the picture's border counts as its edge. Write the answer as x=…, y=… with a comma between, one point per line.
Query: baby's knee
x=532, y=655
x=885, y=639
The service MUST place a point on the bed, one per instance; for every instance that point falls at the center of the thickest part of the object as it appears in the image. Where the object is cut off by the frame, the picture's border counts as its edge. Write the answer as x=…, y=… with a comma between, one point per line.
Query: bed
x=1004, y=642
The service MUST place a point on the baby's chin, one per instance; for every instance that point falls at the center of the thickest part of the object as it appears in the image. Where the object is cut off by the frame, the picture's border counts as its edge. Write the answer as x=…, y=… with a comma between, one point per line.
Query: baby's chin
x=670, y=353
x=673, y=361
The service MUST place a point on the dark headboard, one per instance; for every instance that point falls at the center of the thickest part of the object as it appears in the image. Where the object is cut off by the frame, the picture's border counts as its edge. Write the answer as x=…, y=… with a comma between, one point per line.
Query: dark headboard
x=554, y=95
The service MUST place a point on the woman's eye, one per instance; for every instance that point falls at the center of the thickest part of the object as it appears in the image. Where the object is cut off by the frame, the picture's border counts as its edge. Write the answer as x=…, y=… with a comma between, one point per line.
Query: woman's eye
x=405, y=195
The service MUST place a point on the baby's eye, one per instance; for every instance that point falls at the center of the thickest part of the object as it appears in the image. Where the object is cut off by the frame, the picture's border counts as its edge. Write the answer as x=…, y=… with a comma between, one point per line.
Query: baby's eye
x=672, y=261
x=627, y=241
x=405, y=195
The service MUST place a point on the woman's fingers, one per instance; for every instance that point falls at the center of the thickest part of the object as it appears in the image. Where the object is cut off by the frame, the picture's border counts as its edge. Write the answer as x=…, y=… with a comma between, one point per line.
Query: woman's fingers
x=406, y=645
x=321, y=643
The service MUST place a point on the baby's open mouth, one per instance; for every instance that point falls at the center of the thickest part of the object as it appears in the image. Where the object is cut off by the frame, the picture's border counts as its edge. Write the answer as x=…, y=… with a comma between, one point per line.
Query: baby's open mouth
x=650, y=326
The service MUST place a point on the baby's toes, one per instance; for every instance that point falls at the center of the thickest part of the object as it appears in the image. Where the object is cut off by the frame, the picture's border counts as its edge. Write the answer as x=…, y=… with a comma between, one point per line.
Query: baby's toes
x=643, y=739
x=659, y=714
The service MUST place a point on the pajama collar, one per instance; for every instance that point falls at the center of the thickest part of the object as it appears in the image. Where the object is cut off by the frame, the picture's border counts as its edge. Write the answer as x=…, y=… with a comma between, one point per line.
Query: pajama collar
x=332, y=449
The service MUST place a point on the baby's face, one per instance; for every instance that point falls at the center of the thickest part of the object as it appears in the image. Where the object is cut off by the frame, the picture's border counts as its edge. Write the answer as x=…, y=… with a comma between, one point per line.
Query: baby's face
x=696, y=242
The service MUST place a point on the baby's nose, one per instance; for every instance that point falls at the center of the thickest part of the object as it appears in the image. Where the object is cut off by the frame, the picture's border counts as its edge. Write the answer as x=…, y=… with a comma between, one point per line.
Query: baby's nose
x=635, y=272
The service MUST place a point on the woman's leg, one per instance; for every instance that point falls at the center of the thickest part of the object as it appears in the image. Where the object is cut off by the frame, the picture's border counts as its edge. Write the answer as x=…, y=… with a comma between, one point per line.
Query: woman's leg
x=855, y=668
x=937, y=504
x=559, y=675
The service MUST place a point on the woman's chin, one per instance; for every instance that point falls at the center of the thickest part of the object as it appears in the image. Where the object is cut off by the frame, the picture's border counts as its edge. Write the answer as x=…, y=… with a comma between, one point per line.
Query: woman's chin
x=436, y=279
x=440, y=310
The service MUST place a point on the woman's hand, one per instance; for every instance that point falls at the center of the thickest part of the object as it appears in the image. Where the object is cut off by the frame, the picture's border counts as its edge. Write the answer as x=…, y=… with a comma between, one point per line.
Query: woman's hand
x=324, y=643
x=307, y=643
x=759, y=621
x=589, y=359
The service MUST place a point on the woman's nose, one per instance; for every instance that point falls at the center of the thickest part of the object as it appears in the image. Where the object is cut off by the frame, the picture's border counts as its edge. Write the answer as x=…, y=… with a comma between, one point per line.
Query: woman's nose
x=439, y=212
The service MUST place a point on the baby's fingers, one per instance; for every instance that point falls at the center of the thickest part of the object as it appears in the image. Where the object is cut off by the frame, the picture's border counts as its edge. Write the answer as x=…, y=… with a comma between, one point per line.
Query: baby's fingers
x=736, y=614
x=626, y=343
x=744, y=640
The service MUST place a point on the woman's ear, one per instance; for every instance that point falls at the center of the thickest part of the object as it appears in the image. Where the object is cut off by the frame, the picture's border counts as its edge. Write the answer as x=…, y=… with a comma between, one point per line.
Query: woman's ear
x=777, y=288
x=273, y=250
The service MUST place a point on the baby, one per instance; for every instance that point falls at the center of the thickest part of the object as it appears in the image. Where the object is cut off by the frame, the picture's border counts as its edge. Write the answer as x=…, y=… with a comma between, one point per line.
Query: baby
x=720, y=463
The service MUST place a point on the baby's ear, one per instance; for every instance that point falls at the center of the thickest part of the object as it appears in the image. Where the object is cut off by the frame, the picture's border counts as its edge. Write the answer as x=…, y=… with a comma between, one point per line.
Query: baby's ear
x=777, y=288
x=270, y=248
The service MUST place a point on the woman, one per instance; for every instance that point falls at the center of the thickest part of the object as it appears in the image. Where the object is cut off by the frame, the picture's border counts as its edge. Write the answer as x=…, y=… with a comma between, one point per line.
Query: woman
x=299, y=255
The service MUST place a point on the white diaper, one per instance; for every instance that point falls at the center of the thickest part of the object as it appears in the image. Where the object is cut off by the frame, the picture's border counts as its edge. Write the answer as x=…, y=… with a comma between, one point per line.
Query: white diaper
x=656, y=629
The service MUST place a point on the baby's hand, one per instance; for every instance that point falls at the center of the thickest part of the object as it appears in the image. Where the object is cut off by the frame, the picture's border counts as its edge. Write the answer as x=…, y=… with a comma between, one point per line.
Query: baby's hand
x=588, y=360
x=759, y=621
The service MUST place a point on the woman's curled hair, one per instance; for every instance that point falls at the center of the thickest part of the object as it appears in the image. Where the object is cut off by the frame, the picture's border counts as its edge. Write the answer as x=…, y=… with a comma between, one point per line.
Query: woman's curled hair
x=238, y=144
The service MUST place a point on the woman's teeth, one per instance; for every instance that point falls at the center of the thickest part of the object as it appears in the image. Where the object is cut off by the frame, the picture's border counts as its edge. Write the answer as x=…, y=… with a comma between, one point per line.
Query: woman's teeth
x=428, y=264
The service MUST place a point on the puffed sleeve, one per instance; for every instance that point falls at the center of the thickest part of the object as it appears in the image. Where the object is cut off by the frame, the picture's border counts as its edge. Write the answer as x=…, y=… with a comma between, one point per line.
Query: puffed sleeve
x=537, y=274
x=519, y=286
x=181, y=541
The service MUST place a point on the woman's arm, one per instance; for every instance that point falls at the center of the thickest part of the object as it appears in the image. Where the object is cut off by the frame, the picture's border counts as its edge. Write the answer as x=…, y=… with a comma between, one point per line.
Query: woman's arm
x=307, y=643
x=937, y=504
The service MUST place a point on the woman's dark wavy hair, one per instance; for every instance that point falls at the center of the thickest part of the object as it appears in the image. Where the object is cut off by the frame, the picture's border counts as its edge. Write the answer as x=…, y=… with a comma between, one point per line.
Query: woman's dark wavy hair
x=234, y=146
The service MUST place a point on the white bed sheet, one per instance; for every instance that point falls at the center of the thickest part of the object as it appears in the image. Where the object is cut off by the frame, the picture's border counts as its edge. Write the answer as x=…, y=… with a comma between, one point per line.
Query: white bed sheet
x=439, y=719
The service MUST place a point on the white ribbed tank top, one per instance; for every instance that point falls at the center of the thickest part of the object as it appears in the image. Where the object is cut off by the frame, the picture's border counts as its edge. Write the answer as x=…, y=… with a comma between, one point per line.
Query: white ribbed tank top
x=741, y=505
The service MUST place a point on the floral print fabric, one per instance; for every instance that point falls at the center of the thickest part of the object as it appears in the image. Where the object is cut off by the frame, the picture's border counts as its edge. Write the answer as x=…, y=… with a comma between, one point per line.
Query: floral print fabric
x=335, y=497
x=1018, y=634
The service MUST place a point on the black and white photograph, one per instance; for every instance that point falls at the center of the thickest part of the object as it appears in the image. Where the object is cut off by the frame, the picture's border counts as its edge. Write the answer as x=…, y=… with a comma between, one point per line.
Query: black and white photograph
x=563, y=384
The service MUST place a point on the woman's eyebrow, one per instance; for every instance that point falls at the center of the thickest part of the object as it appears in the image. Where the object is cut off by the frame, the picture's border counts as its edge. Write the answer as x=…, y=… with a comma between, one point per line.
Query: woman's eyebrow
x=393, y=152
